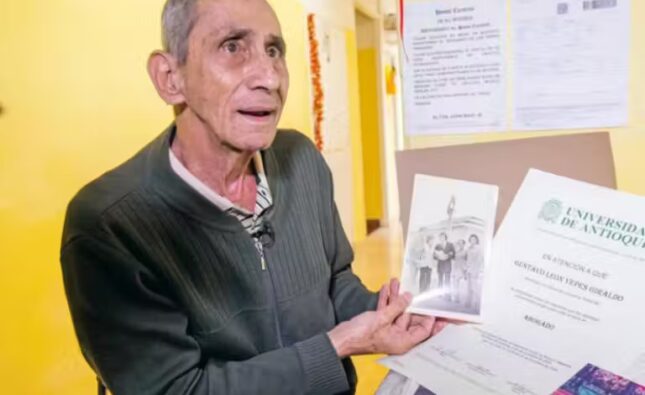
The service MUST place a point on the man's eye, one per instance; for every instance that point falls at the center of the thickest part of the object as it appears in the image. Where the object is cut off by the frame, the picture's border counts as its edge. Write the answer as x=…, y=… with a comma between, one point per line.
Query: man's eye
x=231, y=46
x=274, y=52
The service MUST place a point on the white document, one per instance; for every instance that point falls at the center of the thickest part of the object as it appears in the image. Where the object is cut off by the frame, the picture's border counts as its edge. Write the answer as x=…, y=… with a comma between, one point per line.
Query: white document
x=637, y=370
x=448, y=245
x=565, y=289
x=454, y=77
x=571, y=63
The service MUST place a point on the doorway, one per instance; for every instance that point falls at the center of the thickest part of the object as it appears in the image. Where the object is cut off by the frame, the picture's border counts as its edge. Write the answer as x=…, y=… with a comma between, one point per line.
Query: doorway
x=367, y=38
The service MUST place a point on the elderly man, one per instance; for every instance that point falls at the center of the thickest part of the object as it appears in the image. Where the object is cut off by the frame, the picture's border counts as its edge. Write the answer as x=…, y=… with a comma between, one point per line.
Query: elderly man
x=213, y=261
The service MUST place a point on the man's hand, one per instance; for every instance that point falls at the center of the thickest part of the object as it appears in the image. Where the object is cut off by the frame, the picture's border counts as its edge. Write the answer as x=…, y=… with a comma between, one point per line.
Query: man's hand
x=387, y=330
x=441, y=323
x=388, y=293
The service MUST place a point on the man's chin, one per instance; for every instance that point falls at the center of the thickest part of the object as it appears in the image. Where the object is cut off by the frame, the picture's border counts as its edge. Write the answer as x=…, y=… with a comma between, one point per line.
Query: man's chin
x=258, y=141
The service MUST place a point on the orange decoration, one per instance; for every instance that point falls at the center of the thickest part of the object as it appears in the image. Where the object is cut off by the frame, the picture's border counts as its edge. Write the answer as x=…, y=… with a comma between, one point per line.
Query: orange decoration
x=316, y=81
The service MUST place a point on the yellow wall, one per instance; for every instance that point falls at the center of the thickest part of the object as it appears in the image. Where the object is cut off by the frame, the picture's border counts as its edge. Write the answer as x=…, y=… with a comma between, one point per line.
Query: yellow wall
x=628, y=143
x=77, y=102
x=297, y=113
x=371, y=138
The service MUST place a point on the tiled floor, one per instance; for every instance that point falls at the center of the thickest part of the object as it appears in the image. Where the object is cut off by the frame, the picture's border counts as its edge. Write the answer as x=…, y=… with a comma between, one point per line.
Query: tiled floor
x=378, y=258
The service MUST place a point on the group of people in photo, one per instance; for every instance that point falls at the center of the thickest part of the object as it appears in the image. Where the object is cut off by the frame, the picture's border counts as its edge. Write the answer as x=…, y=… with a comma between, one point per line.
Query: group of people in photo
x=456, y=263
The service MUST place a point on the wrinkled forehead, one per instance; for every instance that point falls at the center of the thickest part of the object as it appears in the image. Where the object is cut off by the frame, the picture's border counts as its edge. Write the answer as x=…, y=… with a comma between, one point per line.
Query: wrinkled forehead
x=219, y=17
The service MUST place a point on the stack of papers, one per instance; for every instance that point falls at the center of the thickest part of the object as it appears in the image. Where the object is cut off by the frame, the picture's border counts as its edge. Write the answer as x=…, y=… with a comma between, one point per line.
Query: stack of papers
x=561, y=297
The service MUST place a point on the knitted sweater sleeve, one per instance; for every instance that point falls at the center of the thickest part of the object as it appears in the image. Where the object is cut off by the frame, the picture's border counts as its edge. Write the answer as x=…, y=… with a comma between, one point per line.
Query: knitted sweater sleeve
x=135, y=336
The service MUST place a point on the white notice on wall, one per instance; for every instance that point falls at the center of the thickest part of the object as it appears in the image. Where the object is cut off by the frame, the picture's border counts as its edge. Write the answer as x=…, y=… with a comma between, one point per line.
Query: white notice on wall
x=571, y=63
x=454, y=79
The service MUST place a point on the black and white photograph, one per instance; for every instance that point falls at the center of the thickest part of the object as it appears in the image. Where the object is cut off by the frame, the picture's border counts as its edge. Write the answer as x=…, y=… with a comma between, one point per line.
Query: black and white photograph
x=447, y=246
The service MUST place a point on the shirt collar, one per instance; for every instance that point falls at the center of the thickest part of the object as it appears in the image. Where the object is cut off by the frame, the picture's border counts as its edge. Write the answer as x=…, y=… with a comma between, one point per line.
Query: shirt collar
x=218, y=200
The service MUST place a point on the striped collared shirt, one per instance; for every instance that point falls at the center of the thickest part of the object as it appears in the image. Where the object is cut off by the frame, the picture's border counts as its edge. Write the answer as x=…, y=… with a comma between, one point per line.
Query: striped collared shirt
x=251, y=221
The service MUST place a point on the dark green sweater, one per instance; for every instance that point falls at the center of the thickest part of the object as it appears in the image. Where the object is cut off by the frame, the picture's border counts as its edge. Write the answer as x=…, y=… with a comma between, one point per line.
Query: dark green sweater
x=168, y=295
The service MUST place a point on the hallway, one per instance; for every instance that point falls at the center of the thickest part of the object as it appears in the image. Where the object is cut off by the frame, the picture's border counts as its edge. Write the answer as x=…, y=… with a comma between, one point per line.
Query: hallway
x=377, y=259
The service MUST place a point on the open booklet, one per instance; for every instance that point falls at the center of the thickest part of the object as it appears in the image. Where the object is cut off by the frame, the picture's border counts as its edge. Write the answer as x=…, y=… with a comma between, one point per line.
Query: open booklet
x=564, y=297
x=397, y=384
x=448, y=245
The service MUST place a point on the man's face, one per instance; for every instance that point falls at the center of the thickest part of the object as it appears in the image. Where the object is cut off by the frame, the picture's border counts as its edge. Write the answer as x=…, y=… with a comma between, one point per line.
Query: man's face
x=235, y=77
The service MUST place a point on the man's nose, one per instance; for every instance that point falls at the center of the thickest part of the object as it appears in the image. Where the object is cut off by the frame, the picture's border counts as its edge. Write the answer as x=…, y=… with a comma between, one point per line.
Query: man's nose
x=265, y=73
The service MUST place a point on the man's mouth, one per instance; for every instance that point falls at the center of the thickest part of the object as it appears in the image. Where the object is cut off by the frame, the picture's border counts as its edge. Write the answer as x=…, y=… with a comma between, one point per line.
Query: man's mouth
x=257, y=113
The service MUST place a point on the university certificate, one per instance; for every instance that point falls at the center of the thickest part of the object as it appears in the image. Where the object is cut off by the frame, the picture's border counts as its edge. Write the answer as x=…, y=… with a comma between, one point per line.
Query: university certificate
x=565, y=290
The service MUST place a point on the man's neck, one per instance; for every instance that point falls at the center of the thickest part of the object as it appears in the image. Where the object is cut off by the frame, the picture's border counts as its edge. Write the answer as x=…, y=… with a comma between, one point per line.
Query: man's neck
x=221, y=168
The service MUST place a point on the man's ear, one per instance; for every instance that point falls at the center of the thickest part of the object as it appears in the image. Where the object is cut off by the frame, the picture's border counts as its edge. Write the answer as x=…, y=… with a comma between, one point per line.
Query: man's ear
x=164, y=73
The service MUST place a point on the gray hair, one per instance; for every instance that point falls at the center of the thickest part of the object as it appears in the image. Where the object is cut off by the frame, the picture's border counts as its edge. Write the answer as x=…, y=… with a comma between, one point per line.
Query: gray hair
x=177, y=21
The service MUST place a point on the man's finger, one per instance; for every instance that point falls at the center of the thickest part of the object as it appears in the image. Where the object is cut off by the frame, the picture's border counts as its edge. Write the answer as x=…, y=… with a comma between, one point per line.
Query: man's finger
x=419, y=333
x=392, y=292
x=396, y=307
x=427, y=322
x=395, y=285
x=451, y=321
x=419, y=319
x=403, y=321
x=383, y=297
x=439, y=325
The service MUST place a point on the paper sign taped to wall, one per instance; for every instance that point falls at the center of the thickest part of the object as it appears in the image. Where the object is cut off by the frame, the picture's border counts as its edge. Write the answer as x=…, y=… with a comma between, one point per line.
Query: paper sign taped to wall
x=455, y=75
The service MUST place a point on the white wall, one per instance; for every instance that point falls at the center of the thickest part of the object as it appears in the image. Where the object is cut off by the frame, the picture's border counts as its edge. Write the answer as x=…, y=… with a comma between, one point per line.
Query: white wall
x=337, y=15
x=392, y=105
x=341, y=14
